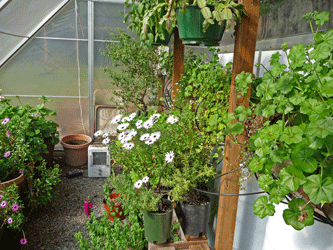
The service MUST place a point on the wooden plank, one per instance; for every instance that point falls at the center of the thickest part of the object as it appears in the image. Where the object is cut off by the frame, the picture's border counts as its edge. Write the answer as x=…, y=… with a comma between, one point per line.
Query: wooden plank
x=178, y=61
x=245, y=43
x=177, y=245
x=199, y=247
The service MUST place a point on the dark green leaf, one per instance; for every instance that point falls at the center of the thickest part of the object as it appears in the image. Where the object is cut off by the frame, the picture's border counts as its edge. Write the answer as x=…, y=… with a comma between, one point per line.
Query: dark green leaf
x=319, y=190
x=297, y=215
x=263, y=208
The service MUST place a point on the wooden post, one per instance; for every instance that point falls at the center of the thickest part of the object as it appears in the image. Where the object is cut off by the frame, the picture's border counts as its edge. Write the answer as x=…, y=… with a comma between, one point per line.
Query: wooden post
x=245, y=43
x=178, y=61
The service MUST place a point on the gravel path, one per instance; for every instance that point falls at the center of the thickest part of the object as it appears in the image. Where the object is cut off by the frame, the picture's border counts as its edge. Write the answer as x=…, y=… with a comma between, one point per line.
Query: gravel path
x=54, y=226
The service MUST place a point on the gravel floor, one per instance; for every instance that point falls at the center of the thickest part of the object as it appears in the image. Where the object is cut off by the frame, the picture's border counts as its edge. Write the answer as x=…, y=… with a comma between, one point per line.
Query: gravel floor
x=54, y=226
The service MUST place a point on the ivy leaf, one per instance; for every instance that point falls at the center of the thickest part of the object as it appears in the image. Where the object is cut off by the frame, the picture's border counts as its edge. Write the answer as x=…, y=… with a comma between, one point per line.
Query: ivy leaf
x=262, y=208
x=319, y=190
x=292, y=135
x=303, y=159
x=264, y=181
x=291, y=177
x=298, y=215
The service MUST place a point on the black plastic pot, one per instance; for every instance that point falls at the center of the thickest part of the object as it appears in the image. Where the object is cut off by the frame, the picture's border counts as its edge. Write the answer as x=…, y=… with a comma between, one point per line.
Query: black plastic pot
x=195, y=219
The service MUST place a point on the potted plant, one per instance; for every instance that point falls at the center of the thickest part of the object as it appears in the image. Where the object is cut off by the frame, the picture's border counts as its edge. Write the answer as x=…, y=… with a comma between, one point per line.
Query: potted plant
x=292, y=152
x=111, y=203
x=196, y=20
x=137, y=72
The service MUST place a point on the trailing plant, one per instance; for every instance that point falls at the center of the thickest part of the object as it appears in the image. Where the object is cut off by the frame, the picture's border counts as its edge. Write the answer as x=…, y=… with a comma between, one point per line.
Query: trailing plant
x=138, y=71
x=121, y=235
x=293, y=150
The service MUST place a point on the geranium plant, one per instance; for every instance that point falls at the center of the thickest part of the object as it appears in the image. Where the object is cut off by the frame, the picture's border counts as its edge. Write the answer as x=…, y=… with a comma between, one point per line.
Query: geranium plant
x=293, y=150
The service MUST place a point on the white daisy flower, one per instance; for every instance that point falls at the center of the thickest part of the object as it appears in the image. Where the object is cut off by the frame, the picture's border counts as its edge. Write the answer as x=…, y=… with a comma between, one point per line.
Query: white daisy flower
x=138, y=124
x=149, y=141
x=154, y=136
x=155, y=116
x=128, y=131
x=171, y=119
x=144, y=137
x=128, y=145
x=105, y=135
x=138, y=184
x=131, y=116
x=106, y=141
x=123, y=126
x=145, y=179
x=148, y=124
x=116, y=119
x=132, y=134
x=125, y=119
x=98, y=133
x=169, y=156
x=121, y=136
x=123, y=141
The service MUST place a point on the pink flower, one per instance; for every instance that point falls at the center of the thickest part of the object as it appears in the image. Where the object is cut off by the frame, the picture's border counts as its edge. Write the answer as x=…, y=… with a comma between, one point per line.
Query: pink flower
x=15, y=207
x=5, y=121
x=7, y=154
x=24, y=241
x=3, y=204
x=10, y=220
x=8, y=134
x=21, y=170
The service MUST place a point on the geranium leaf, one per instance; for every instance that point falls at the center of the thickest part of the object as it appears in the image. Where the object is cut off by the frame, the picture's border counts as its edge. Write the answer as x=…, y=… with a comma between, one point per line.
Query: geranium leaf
x=292, y=135
x=263, y=208
x=298, y=215
x=291, y=177
x=319, y=190
x=318, y=128
x=303, y=160
x=327, y=88
x=264, y=181
x=278, y=193
x=256, y=164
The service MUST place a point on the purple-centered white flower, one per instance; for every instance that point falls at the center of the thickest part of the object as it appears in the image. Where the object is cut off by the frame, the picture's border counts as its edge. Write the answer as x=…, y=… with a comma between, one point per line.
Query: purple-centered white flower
x=138, y=124
x=154, y=136
x=123, y=126
x=3, y=204
x=155, y=116
x=106, y=141
x=8, y=134
x=98, y=133
x=125, y=119
x=5, y=121
x=116, y=119
x=172, y=119
x=144, y=137
x=7, y=154
x=128, y=145
x=15, y=207
x=132, y=134
x=131, y=116
x=121, y=136
x=128, y=131
x=105, y=135
x=10, y=220
x=148, y=124
x=149, y=141
x=138, y=184
x=169, y=156
x=145, y=179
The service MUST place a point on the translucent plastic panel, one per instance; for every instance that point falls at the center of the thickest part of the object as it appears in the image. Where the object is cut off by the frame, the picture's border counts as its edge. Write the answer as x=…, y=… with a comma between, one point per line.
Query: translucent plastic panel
x=63, y=25
x=68, y=113
x=21, y=18
x=107, y=16
x=46, y=67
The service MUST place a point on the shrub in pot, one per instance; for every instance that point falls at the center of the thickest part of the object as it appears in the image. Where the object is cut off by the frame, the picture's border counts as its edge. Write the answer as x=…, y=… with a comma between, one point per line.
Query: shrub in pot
x=292, y=152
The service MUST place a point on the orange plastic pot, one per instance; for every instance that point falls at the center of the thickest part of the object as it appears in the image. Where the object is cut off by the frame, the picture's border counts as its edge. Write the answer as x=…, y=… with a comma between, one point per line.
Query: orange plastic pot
x=119, y=214
x=76, y=154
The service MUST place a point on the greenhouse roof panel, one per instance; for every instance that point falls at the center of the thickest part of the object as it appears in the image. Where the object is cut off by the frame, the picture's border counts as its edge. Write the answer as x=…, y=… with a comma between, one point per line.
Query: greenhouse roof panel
x=21, y=19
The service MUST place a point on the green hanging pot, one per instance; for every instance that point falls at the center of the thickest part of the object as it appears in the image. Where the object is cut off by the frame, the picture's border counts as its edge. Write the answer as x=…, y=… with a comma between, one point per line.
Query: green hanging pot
x=166, y=40
x=158, y=225
x=190, y=27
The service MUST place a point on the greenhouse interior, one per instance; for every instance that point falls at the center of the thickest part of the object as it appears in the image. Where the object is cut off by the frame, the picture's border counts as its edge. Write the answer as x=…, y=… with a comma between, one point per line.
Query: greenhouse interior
x=157, y=124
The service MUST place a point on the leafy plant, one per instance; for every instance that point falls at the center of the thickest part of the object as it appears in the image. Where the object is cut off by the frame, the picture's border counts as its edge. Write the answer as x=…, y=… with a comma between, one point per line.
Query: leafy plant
x=138, y=71
x=293, y=149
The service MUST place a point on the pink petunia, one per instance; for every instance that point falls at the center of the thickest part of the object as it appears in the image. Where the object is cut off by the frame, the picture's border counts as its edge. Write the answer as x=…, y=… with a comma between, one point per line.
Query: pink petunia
x=5, y=121
x=24, y=241
x=7, y=154
x=8, y=134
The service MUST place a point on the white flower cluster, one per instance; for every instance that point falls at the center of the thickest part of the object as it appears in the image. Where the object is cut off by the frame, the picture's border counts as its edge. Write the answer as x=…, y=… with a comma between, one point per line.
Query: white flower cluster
x=106, y=139
x=139, y=183
x=172, y=119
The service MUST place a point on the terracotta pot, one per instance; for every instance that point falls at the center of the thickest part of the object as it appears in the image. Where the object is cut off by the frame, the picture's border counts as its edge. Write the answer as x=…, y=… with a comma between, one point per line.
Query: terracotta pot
x=120, y=209
x=76, y=154
x=19, y=181
x=48, y=157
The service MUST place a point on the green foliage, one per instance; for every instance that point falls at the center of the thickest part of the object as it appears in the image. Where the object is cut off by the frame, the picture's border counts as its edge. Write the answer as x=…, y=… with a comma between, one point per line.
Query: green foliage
x=137, y=70
x=121, y=235
x=297, y=131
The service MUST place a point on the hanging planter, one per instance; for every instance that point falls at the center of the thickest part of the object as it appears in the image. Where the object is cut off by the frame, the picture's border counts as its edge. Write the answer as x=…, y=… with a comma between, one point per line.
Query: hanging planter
x=76, y=149
x=195, y=218
x=191, y=30
x=158, y=224
x=166, y=40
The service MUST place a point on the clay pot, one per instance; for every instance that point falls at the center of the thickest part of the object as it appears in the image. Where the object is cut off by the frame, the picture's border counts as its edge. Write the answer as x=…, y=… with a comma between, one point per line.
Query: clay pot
x=19, y=181
x=119, y=214
x=76, y=149
x=48, y=157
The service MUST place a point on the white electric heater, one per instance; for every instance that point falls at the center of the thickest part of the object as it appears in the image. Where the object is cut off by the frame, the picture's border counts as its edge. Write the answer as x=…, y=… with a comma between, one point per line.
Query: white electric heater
x=98, y=161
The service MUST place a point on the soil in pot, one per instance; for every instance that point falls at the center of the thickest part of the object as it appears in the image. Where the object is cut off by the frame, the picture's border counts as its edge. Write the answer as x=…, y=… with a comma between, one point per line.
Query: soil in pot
x=76, y=142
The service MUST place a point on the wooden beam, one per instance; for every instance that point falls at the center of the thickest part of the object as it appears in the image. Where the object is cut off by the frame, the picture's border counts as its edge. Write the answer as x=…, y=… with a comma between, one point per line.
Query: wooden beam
x=178, y=61
x=245, y=43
